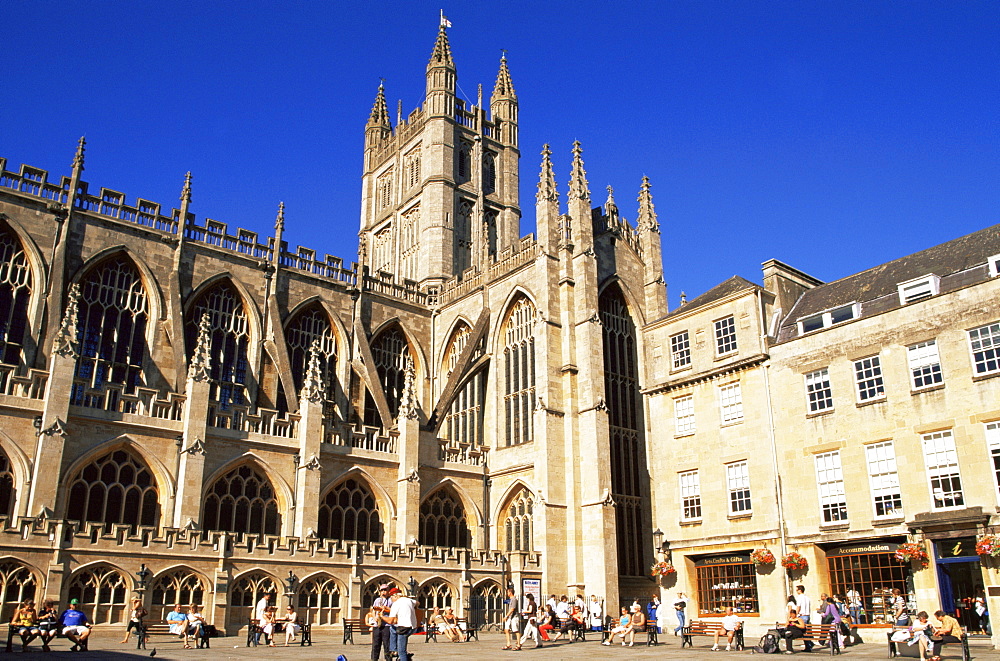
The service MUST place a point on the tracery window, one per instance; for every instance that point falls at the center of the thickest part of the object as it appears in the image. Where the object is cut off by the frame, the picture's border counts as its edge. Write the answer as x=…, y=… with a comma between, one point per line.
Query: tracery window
x=114, y=310
x=17, y=583
x=409, y=245
x=517, y=522
x=624, y=423
x=246, y=592
x=8, y=492
x=15, y=291
x=319, y=601
x=443, y=522
x=463, y=424
x=390, y=351
x=382, y=250
x=519, y=373
x=310, y=325
x=243, y=500
x=370, y=593
x=118, y=487
x=181, y=586
x=230, y=337
x=489, y=173
x=383, y=190
x=435, y=593
x=486, y=605
x=349, y=512
x=463, y=236
x=102, y=591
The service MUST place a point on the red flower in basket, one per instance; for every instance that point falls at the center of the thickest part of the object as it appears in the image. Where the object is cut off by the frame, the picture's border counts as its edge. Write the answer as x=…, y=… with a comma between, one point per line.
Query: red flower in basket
x=988, y=545
x=909, y=551
x=662, y=568
x=762, y=557
x=794, y=561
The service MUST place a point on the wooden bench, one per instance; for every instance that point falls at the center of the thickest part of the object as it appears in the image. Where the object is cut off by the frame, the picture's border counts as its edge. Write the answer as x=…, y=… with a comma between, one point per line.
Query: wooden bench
x=254, y=628
x=816, y=633
x=905, y=650
x=162, y=628
x=651, y=631
x=708, y=628
x=469, y=630
x=352, y=624
x=12, y=630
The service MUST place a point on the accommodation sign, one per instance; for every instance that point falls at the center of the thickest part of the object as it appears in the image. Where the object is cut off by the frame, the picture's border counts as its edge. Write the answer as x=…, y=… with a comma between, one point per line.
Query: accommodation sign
x=862, y=549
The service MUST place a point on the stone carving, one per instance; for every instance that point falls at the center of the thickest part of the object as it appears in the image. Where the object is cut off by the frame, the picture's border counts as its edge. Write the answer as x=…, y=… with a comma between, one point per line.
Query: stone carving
x=413, y=477
x=312, y=389
x=578, y=187
x=57, y=428
x=408, y=398
x=200, y=369
x=197, y=447
x=64, y=343
x=313, y=464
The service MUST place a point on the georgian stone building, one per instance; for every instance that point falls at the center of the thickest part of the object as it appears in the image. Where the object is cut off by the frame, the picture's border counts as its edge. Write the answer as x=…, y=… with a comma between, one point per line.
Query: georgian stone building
x=460, y=409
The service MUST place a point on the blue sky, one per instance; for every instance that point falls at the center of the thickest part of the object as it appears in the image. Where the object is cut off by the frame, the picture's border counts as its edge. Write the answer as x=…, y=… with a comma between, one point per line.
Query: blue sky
x=831, y=135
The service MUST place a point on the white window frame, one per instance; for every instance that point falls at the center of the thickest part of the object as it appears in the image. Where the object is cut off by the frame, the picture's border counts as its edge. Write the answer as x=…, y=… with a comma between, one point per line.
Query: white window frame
x=992, y=432
x=868, y=376
x=723, y=338
x=684, y=420
x=925, y=365
x=689, y=484
x=883, y=479
x=941, y=460
x=828, y=318
x=988, y=338
x=680, y=356
x=738, y=488
x=830, y=487
x=918, y=289
x=819, y=392
x=731, y=403
x=993, y=262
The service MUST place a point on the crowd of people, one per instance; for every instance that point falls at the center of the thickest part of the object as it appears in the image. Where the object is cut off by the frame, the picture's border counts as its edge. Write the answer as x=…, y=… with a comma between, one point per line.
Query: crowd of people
x=45, y=624
x=393, y=619
x=270, y=622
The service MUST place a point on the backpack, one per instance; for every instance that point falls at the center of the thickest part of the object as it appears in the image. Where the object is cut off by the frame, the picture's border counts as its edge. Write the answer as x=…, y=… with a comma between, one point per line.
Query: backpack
x=768, y=645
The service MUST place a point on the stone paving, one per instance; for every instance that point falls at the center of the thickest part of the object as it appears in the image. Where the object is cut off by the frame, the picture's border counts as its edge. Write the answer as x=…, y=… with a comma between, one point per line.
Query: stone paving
x=105, y=645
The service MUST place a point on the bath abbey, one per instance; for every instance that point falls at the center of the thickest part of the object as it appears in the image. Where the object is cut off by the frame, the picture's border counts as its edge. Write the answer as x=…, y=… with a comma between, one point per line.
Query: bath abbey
x=194, y=413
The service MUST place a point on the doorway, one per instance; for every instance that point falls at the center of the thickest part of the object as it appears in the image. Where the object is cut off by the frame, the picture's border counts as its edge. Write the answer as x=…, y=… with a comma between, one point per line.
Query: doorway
x=960, y=578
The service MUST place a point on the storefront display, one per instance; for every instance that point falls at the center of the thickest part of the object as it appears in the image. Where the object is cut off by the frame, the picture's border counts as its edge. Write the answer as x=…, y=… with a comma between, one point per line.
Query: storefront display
x=865, y=574
x=727, y=581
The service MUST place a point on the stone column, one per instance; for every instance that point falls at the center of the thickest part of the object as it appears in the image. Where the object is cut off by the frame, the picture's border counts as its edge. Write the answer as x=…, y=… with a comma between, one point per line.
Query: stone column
x=408, y=450
x=308, y=480
x=191, y=471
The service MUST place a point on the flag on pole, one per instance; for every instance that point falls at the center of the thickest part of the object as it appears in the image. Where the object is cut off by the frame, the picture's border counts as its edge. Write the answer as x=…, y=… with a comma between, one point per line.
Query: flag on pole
x=445, y=23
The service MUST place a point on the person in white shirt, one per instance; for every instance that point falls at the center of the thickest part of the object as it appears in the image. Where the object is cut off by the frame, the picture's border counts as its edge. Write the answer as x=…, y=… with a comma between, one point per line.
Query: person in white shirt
x=580, y=603
x=596, y=614
x=403, y=615
x=195, y=621
x=662, y=610
x=259, y=613
x=730, y=624
x=804, y=609
x=562, y=608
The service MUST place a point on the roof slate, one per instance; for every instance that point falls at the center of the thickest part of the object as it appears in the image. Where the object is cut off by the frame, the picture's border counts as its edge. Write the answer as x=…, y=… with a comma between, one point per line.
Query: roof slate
x=719, y=291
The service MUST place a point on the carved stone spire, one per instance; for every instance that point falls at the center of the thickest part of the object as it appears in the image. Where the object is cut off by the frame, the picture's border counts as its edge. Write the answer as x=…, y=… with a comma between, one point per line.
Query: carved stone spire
x=647, y=221
x=441, y=55
x=504, y=87
x=201, y=368
x=186, y=190
x=547, y=178
x=279, y=221
x=81, y=147
x=64, y=342
x=380, y=113
x=578, y=187
x=312, y=388
x=408, y=397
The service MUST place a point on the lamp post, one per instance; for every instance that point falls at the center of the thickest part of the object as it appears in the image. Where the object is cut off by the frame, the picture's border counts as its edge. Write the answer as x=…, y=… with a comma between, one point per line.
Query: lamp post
x=291, y=583
x=143, y=575
x=657, y=539
x=412, y=585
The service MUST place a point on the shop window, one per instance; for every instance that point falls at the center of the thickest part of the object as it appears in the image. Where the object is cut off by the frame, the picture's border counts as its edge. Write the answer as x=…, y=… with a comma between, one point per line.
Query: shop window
x=727, y=582
x=866, y=575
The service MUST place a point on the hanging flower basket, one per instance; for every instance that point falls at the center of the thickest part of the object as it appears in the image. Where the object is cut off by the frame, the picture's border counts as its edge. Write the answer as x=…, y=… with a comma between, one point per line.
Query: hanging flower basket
x=909, y=551
x=794, y=562
x=762, y=557
x=988, y=545
x=662, y=568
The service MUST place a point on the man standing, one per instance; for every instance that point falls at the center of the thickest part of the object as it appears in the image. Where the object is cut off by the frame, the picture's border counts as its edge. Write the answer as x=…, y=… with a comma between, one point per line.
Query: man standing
x=596, y=614
x=511, y=620
x=402, y=615
x=74, y=625
x=679, y=607
x=804, y=607
x=380, y=630
x=259, y=613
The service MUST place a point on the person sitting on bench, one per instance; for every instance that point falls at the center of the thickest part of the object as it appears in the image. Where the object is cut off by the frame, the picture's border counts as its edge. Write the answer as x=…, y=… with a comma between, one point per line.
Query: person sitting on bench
x=26, y=621
x=950, y=631
x=794, y=628
x=730, y=624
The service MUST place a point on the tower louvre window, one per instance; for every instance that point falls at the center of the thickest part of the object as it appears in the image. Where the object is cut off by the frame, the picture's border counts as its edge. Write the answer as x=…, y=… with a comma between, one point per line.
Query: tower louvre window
x=489, y=173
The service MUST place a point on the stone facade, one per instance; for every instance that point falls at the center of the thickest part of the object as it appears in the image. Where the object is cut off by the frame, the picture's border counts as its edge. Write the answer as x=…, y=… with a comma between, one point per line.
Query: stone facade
x=232, y=413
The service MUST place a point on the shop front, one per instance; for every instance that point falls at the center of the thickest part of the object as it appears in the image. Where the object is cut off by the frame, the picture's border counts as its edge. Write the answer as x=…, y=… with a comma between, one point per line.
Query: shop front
x=865, y=574
x=960, y=580
x=725, y=581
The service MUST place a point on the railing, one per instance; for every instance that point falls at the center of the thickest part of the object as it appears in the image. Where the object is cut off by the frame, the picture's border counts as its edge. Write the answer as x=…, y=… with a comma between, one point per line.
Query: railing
x=332, y=267
x=34, y=181
x=31, y=386
x=112, y=205
x=267, y=422
x=365, y=438
x=461, y=453
x=389, y=287
x=114, y=397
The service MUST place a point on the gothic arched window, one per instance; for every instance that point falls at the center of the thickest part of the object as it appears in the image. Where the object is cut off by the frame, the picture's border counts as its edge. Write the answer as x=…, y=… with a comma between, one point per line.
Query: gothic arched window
x=310, y=325
x=518, y=522
x=435, y=593
x=486, y=605
x=230, y=337
x=319, y=600
x=17, y=584
x=118, y=487
x=463, y=237
x=113, y=312
x=519, y=372
x=489, y=173
x=370, y=593
x=390, y=351
x=246, y=592
x=382, y=250
x=409, y=243
x=349, y=512
x=443, y=522
x=180, y=586
x=15, y=291
x=242, y=500
x=621, y=385
x=463, y=424
x=8, y=492
x=102, y=592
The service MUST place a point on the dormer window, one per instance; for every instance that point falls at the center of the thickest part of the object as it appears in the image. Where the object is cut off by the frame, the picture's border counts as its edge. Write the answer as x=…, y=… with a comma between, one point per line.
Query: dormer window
x=828, y=318
x=919, y=288
x=994, y=264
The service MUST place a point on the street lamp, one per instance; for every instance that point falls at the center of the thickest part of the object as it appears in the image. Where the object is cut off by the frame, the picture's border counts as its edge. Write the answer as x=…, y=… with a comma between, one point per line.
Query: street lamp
x=143, y=575
x=291, y=583
x=412, y=585
x=657, y=538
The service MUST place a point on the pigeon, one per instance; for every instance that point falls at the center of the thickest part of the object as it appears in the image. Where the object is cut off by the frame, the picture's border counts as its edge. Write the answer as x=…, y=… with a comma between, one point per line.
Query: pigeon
x=153, y=653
